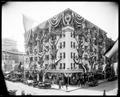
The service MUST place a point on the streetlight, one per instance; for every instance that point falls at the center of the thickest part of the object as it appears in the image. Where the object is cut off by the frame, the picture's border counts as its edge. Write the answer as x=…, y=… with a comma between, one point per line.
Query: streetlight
x=68, y=75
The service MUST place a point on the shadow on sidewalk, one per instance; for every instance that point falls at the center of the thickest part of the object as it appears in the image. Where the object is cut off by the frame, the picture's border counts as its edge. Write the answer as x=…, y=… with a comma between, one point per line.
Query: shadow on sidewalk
x=69, y=90
x=108, y=86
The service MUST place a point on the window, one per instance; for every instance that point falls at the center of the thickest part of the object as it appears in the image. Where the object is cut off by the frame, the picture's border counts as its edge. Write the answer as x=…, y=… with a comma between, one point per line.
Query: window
x=35, y=58
x=74, y=65
x=74, y=55
x=35, y=51
x=85, y=47
x=71, y=44
x=60, y=45
x=61, y=55
x=55, y=56
x=52, y=57
x=74, y=45
x=52, y=47
x=46, y=65
x=71, y=34
x=31, y=59
x=60, y=35
x=47, y=47
x=46, y=57
x=71, y=66
x=64, y=55
x=52, y=38
x=5, y=57
x=64, y=44
x=31, y=51
x=71, y=54
x=27, y=60
x=63, y=65
x=60, y=65
x=63, y=35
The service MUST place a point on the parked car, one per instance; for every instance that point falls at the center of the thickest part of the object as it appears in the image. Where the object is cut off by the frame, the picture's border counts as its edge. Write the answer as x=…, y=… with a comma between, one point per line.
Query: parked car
x=35, y=83
x=44, y=85
x=93, y=83
x=12, y=92
x=7, y=77
x=29, y=82
x=41, y=85
x=47, y=85
x=14, y=79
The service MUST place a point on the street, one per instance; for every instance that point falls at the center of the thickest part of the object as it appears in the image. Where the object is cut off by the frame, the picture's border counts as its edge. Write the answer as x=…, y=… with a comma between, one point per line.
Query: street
x=110, y=87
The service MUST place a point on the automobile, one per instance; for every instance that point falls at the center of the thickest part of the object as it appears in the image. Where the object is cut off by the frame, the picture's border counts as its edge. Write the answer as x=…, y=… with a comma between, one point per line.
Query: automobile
x=93, y=83
x=15, y=79
x=44, y=85
x=29, y=82
x=35, y=83
x=7, y=77
x=41, y=85
x=47, y=85
x=12, y=92
x=24, y=82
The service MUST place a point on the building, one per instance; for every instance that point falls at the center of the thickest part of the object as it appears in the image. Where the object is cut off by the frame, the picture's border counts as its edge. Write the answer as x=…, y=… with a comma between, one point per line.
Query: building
x=66, y=44
x=10, y=55
x=8, y=44
x=11, y=59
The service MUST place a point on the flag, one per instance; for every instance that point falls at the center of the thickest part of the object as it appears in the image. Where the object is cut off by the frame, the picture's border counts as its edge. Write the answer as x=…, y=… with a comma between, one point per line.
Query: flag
x=28, y=23
x=112, y=50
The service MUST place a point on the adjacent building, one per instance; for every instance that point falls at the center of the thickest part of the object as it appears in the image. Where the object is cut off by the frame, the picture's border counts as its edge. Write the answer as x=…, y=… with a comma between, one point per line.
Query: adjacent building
x=9, y=44
x=10, y=55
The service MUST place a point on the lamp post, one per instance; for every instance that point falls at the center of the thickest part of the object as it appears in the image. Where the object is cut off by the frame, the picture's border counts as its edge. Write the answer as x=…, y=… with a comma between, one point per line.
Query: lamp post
x=67, y=75
x=24, y=66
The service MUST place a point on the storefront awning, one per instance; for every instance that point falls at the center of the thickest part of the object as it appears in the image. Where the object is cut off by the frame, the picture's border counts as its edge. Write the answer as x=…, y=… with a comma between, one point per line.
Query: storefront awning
x=64, y=71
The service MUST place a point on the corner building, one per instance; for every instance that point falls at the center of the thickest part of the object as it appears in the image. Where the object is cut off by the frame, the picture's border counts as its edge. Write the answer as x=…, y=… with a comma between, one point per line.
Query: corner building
x=66, y=44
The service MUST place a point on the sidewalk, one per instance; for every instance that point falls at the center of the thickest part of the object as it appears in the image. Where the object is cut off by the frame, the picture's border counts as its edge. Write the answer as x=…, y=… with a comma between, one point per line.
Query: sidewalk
x=63, y=88
x=113, y=92
x=101, y=81
x=72, y=88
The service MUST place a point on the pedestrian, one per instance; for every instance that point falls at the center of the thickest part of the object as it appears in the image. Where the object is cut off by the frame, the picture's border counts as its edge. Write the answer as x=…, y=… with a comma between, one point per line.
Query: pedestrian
x=66, y=86
x=104, y=93
x=80, y=81
x=62, y=83
x=59, y=84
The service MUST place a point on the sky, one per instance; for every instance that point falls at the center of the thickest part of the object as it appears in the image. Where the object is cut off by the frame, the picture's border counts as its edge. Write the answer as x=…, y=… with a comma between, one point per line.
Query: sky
x=102, y=14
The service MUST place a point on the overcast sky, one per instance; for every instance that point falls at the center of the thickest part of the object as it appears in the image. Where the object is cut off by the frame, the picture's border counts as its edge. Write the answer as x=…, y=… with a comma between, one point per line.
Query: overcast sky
x=102, y=14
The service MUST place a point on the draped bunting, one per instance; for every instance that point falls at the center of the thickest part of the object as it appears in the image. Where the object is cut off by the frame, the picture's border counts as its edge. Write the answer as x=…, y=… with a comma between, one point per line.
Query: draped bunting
x=90, y=40
x=78, y=19
x=67, y=17
x=55, y=20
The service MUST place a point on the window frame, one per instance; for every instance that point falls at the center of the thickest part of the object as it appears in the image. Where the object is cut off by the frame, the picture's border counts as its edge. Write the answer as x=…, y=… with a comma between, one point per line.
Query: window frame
x=63, y=65
x=64, y=55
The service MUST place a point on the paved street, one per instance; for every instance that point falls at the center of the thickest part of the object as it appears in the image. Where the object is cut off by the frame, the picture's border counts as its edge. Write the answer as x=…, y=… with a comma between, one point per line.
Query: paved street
x=110, y=87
